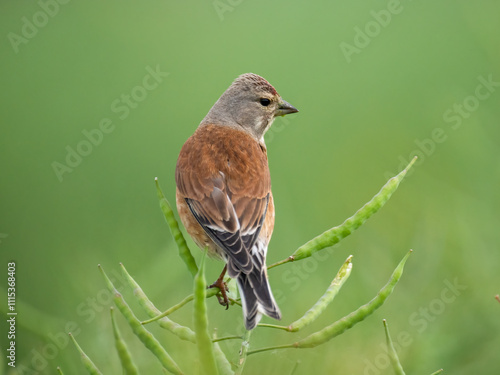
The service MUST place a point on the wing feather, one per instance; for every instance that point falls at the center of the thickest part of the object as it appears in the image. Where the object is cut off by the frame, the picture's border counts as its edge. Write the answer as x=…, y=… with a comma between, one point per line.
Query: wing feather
x=223, y=175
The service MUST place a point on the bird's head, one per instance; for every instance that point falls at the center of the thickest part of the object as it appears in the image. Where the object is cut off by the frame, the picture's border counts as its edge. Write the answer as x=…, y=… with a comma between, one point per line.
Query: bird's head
x=251, y=104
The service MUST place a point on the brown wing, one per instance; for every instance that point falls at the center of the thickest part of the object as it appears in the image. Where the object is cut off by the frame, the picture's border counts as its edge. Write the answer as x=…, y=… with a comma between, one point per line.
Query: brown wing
x=223, y=175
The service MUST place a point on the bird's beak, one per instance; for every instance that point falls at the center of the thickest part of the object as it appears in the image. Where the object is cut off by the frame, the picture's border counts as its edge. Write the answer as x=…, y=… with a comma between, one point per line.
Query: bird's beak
x=284, y=108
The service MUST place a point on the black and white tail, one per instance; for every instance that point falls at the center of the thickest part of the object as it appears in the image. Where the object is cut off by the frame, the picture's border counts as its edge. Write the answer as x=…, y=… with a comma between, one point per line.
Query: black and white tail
x=256, y=296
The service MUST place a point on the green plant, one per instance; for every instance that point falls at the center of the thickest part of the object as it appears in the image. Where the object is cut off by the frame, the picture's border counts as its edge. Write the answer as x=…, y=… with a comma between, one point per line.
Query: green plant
x=393, y=355
x=212, y=359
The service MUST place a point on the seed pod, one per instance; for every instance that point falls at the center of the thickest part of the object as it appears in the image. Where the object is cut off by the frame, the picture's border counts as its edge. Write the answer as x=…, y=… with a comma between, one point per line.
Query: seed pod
x=142, y=333
x=335, y=234
x=220, y=358
x=356, y=316
x=326, y=299
x=180, y=331
x=89, y=365
x=203, y=341
x=184, y=251
x=128, y=365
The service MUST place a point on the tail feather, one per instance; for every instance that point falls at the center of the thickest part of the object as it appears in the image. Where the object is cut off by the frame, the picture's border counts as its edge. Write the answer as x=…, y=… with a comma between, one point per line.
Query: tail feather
x=256, y=297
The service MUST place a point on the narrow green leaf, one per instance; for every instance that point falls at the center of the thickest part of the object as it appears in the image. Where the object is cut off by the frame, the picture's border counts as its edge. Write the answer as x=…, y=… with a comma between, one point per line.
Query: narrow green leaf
x=142, y=333
x=335, y=234
x=348, y=321
x=184, y=333
x=326, y=299
x=89, y=365
x=59, y=371
x=393, y=356
x=203, y=340
x=129, y=368
x=184, y=251
x=437, y=372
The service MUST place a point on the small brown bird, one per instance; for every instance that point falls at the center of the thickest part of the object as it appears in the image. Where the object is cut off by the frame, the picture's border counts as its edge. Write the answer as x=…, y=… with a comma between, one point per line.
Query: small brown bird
x=224, y=194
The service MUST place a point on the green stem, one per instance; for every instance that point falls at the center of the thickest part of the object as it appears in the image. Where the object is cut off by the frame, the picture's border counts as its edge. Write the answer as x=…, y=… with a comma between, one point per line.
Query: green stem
x=289, y=259
x=286, y=346
x=170, y=310
x=244, y=352
x=266, y=325
x=210, y=293
x=393, y=356
x=235, y=302
x=227, y=338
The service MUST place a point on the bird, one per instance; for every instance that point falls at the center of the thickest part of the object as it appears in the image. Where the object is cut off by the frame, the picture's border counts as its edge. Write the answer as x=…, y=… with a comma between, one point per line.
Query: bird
x=223, y=194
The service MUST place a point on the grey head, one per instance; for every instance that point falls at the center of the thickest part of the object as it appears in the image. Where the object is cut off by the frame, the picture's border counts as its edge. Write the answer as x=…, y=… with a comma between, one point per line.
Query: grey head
x=250, y=104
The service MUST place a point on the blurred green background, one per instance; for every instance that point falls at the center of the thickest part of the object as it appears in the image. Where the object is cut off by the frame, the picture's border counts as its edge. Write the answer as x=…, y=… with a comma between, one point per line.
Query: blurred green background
x=376, y=82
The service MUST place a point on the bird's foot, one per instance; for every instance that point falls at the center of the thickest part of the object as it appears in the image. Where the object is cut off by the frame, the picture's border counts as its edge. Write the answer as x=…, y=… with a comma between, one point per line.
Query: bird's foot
x=222, y=296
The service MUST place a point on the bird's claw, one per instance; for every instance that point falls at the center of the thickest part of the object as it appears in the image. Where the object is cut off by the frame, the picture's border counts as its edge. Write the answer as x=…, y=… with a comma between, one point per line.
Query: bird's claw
x=222, y=296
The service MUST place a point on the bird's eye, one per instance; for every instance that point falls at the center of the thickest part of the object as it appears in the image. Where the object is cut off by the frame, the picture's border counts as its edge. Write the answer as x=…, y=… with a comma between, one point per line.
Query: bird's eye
x=265, y=101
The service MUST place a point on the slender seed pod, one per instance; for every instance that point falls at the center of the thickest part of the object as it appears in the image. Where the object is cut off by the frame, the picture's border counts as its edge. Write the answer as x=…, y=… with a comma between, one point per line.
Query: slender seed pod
x=184, y=251
x=348, y=321
x=335, y=234
x=128, y=365
x=220, y=358
x=203, y=340
x=356, y=316
x=180, y=331
x=142, y=333
x=326, y=299
x=393, y=356
x=89, y=365
x=59, y=371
